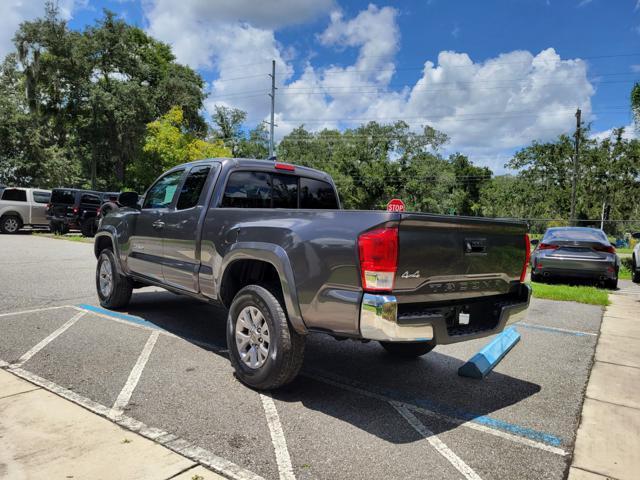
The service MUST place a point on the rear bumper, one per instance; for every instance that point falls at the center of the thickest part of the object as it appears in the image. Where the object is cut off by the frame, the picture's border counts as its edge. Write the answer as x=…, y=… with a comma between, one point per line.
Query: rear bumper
x=380, y=320
x=596, y=269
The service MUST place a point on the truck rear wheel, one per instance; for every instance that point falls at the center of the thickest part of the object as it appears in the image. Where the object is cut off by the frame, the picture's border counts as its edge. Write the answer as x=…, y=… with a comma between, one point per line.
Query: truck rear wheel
x=265, y=351
x=407, y=349
x=114, y=290
x=10, y=224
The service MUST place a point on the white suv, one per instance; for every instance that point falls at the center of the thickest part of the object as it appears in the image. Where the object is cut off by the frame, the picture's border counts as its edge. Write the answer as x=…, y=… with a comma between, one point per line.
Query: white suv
x=21, y=207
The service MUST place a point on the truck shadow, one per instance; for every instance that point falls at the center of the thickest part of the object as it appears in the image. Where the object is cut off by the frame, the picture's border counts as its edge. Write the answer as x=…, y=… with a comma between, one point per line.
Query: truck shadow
x=354, y=382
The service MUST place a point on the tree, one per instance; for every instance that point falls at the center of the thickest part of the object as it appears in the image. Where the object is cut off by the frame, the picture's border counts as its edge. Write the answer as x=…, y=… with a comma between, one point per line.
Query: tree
x=169, y=142
x=86, y=97
x=635, y=103
x=229, y=127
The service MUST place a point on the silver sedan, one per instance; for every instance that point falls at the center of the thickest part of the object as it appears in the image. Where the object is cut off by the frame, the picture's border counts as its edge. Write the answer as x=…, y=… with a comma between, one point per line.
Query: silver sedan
x=577, y=252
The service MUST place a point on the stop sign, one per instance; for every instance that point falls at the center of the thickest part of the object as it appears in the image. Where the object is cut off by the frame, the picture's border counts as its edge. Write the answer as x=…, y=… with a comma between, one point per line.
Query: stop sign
x=395, y=205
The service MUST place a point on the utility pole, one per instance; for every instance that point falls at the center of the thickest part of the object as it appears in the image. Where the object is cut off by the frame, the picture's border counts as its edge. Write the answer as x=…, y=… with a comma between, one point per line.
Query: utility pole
x=576, y=160
x=273, y=106
x=602, y=217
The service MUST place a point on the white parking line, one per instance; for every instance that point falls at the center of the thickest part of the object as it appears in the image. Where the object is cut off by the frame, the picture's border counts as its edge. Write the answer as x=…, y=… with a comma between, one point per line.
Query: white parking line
x=200, y=455
x=456, y=421
x=35, y=310
x=277, y=438
x=565, y=330
x=134, y=377
x=436, y=443
x=24, y=358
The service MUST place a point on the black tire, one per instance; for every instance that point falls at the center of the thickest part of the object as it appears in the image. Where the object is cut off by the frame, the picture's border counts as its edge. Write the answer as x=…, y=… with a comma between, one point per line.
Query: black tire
x=285, y=351
x=88, y=227
x=119, y=294
x=611, y=283
x=58, y=228
x=536, y=277
x=408, y=349
x=635, y=274
x=10, y=224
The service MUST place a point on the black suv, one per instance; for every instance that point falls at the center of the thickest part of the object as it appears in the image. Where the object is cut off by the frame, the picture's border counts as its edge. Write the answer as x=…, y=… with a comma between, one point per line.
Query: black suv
x=75, y=209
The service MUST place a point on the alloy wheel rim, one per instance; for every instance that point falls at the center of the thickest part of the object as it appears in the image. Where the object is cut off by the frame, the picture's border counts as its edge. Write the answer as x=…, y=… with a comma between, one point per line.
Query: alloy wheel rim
x=105, y=276
x=11, y=225
x=252, y=335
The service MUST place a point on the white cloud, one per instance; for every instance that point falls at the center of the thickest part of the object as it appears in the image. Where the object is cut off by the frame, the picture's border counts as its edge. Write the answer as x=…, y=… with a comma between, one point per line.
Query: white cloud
x=629, y=133
x=488, y=108
x=635, y=68
x=199, y=29
x=14, y=12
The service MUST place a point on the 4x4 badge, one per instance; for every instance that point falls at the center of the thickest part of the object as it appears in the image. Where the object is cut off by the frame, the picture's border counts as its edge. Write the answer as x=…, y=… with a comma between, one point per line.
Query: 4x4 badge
x=415, y=274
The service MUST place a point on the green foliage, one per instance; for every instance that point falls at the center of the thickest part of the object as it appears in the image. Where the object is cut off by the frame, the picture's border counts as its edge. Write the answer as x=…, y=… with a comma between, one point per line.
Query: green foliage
x=635, y=103
x=570, y=293
x=168, y=143
x=83, y=99
x=608, y=172
x=373, y=163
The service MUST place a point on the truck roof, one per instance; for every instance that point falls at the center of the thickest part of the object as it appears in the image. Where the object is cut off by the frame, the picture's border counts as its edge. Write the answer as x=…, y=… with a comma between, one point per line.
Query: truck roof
x=254, y=163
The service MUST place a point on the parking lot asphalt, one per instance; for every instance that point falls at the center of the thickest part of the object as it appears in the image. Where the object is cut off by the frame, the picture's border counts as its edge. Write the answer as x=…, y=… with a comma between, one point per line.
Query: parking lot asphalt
x=352, y=413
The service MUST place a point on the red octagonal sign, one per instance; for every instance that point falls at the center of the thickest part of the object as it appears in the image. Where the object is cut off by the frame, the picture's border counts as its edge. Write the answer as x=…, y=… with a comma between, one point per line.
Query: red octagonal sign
x=395, y=205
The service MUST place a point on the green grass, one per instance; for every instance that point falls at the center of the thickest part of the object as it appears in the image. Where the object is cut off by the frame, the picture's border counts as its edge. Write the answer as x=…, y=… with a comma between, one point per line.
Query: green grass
x=70, y=237
x=570, y=293
x=624, y=273
x=624, y=250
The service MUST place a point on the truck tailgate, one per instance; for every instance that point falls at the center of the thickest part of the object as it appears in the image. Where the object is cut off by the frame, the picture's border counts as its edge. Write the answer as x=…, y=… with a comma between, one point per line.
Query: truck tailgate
x=444, y=258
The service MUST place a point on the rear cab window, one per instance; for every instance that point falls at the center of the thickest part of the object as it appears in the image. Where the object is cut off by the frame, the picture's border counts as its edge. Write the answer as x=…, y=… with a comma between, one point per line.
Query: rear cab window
x=65, y=197
x=90, y=199
x=14, y=195
x=254, y=189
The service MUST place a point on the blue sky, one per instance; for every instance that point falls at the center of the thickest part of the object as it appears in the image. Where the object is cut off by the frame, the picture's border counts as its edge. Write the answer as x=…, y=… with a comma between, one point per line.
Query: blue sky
x=503, y=73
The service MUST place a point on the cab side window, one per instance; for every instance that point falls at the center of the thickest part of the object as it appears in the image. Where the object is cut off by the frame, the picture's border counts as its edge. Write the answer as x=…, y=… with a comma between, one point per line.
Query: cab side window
x=161, y=194
x=192, y=188
x=41, y=197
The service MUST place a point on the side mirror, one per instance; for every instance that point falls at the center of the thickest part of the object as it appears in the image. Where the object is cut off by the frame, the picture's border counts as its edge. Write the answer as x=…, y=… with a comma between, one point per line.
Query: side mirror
x=636, y=235
x=128, y=199
x=534, y=242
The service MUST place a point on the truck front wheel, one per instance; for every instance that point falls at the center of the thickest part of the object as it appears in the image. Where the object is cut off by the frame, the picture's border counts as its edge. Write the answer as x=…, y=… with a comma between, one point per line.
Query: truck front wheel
x=265, y=351
x=114, y=290
x=407, y=349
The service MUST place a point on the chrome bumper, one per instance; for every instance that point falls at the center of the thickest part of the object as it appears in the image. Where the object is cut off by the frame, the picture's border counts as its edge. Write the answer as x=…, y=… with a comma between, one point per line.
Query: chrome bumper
x=378, y=321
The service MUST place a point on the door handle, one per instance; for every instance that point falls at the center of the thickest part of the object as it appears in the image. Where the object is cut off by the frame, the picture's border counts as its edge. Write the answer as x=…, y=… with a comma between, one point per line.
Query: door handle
x=158, y=224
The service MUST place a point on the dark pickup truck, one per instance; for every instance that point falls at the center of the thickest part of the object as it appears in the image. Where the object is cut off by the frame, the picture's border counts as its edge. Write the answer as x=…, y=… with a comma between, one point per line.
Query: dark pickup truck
x=269, y=242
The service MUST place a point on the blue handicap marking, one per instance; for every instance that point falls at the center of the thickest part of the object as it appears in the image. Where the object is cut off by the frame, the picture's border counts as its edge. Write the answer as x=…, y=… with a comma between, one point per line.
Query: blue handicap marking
x=118, y=315
x=490, y=355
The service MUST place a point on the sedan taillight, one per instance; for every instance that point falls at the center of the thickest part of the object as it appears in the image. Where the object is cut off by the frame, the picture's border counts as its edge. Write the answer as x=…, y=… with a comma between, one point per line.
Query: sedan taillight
x=605, y=248
x=547, y=246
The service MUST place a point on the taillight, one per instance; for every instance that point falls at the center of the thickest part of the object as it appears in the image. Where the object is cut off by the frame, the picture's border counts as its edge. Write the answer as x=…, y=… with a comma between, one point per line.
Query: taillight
x=527, y=257
x=378, y=258
x=76, y=209
x=547, y=246
x=605, y=248
x=47, y=206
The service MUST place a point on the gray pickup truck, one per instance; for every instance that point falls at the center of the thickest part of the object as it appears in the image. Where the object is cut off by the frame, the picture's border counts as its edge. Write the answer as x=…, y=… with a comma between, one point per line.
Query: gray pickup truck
x=269, y=242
